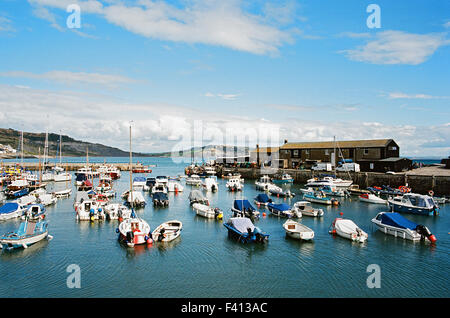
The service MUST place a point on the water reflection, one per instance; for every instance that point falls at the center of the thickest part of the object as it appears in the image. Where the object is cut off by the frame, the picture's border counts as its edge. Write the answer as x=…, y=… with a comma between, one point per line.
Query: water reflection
x=13, y=254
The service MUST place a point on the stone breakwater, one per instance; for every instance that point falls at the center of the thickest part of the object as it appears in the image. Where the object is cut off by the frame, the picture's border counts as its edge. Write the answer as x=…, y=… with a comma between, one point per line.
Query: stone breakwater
x=439, y=183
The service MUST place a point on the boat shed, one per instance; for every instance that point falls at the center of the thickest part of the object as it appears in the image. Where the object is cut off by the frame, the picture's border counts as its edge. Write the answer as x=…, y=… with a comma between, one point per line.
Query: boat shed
x=394, y=164
x=296, y=154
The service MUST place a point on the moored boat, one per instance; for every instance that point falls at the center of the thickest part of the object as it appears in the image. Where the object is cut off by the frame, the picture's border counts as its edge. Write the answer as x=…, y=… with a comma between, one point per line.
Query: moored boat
x=372, y=198
x=393, y=223
x=348, y=229
x=242, y=229
x=413, y=203
x=302, y=208
x=285, y=178
x=134, y=231
x=282, y=209
x=243, y=208
x=11, y=210
x=298, y=231
x=262, y=199
x=207, y=211
x=168, y=231
x=196, y=196
x=29, y=232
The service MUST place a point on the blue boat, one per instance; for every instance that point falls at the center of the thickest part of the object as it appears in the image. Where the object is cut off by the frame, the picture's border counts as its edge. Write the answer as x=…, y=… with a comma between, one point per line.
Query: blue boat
x=17, y=194
x=160, y=199
x=244, y=231
x=282, y=209
x=393, y=223
x=35, y=212
x=150, y=182
x=262, y=199
x=243, y=208
x=11, y=210
x=285, y=178
x=29, y=232
x=414, y=203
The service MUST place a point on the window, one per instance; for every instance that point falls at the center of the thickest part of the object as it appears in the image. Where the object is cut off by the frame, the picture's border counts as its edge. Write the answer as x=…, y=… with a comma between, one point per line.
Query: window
x=371, y=166
x=393, y=148
x=306, y=152
x=295, y=153
x=366, y=151
x=327, y=152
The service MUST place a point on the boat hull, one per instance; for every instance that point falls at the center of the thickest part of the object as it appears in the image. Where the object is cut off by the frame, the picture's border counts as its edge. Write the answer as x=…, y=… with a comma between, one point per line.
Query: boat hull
x=19, y=243
x=412, y=210
x=405, y=234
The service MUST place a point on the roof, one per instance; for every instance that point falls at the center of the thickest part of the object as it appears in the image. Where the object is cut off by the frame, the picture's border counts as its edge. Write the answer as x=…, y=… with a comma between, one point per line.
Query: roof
x=373, y=143
x=265, y=149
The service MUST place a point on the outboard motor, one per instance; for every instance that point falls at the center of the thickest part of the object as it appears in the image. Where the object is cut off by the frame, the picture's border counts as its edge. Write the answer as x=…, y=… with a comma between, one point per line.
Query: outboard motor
x=425, y=232
x=130, y=237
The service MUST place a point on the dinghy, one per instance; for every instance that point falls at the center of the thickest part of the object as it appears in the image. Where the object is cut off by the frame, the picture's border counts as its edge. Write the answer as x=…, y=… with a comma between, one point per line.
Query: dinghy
x=282, y=209
x=298, y=231
x=29, y=232
x=243, y=208
x=210, y=184
x=234, y=184
x=393, y=223
x=207, y=211
x=319, y=197
x=168, y=231
x=262, y=199
x=244, y=231
x=372, y=198
x=304, y=208
x=348, y=229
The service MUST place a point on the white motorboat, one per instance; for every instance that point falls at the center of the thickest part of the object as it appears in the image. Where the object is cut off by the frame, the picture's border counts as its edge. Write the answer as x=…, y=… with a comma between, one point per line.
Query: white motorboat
x=305, y=208
x=234, y=184
x=89, y=210
x=138, y=199
x=414, y=203
x=140, y=184
x=11, y=210
x=348, y=229
x=207, y=211
x=168, y=231
x=196, y=196
x=26, y=199
x=134, y=231
x=46, y=199
x=173, y=186
x=60, y=175
x=372, y=198
x=393, y=223
x=298, y=231
x=329, y=181
x=63, y=193
x=159, y=187
x=117, y=211
x=194, y=180
x=210, y=184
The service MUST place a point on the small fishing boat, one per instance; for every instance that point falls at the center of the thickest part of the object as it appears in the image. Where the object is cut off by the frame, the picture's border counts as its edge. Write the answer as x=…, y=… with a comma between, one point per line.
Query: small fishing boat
x=372, y=198
x=89, y=210
x=319, y=197
x=298, y=231
x=29, y=232
x=14, y=194
x=234, y=184
x=207, y=211
x=140, y=168
x=285, y=178
x=34, y=212
x=117, y=211
x=134, y=231
x=282, y=209
x=262, y=199
x=17, y=184
x=210, y=184
x=46, y=199
x=61, y=176
x=263, y=183
x=11, y=210
x=159, y=187
x=168, y=231
x=242, y=229
x=134, y=198
x=413, y=203
x=63, y=193
x=105, y=183
x=280, y=193
x=196, y=196
x=160, y=199
x=194, y=180
x=304, y=208
x=348, y=229
x=395, y=224
x=334, y=192
x=243, y=208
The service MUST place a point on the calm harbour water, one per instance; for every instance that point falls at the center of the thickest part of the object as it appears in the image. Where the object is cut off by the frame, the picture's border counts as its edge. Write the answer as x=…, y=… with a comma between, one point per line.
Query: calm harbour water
x=204, y=262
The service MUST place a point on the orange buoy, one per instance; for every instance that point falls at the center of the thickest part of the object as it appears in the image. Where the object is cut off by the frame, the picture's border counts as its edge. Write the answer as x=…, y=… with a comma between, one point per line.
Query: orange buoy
x=341, y=214
x=264, y=214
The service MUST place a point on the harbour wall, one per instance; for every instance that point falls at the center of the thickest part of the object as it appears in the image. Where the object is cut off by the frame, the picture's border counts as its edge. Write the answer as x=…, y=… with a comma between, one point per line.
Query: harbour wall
x=439, y=184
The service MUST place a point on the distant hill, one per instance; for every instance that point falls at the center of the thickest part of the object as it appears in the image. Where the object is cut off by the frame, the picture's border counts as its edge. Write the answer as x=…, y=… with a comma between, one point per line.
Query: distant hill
x=71, y=147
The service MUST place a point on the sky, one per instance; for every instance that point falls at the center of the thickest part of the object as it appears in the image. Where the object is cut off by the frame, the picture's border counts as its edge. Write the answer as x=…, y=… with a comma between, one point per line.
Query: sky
x=193, y=72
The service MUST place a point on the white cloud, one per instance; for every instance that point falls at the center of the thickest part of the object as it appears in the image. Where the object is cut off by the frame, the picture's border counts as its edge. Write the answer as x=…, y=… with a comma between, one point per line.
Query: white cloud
x=399, y=95
x=446, y=24
x=221, y=23
x=95, y=118
x=6, y=25
x=67, y=77
x=223, y=96
x=397, y=47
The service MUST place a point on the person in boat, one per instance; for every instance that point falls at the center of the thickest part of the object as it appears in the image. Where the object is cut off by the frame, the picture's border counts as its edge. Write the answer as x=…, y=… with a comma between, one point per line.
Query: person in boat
x=161, y=235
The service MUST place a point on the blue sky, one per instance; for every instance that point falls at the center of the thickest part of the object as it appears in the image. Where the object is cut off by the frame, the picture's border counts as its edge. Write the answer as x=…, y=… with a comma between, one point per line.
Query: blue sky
x=303, y=70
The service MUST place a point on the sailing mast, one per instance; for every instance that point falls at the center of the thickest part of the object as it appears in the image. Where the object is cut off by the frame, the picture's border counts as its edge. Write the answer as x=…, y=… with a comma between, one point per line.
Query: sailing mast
x=131, y=176
x=60, y=148
x=46, y=148
x=40, y=171
x=21, y=150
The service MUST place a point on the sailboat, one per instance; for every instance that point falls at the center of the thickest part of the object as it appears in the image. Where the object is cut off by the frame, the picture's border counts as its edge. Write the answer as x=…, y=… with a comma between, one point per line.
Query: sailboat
x=47, y=175
x=134, y=231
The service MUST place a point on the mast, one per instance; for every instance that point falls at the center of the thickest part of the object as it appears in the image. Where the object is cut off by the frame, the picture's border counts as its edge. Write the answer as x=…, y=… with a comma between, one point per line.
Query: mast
x=40, y=172
x=60, y=148
x=46, y=148
x=334, y=159
x=131, y=175
x=21, y=150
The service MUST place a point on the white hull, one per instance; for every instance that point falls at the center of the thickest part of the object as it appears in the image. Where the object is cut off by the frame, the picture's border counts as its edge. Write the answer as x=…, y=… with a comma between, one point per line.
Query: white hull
x=406, y=234
x=298, y=231
x=12, y=215
x=373, y=199
x=62, y=177
x=172, y=230
x=26, y=241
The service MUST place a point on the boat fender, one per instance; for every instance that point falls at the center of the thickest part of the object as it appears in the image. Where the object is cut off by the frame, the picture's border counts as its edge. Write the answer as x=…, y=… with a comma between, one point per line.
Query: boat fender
x=117, y=230
x=431, y=193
